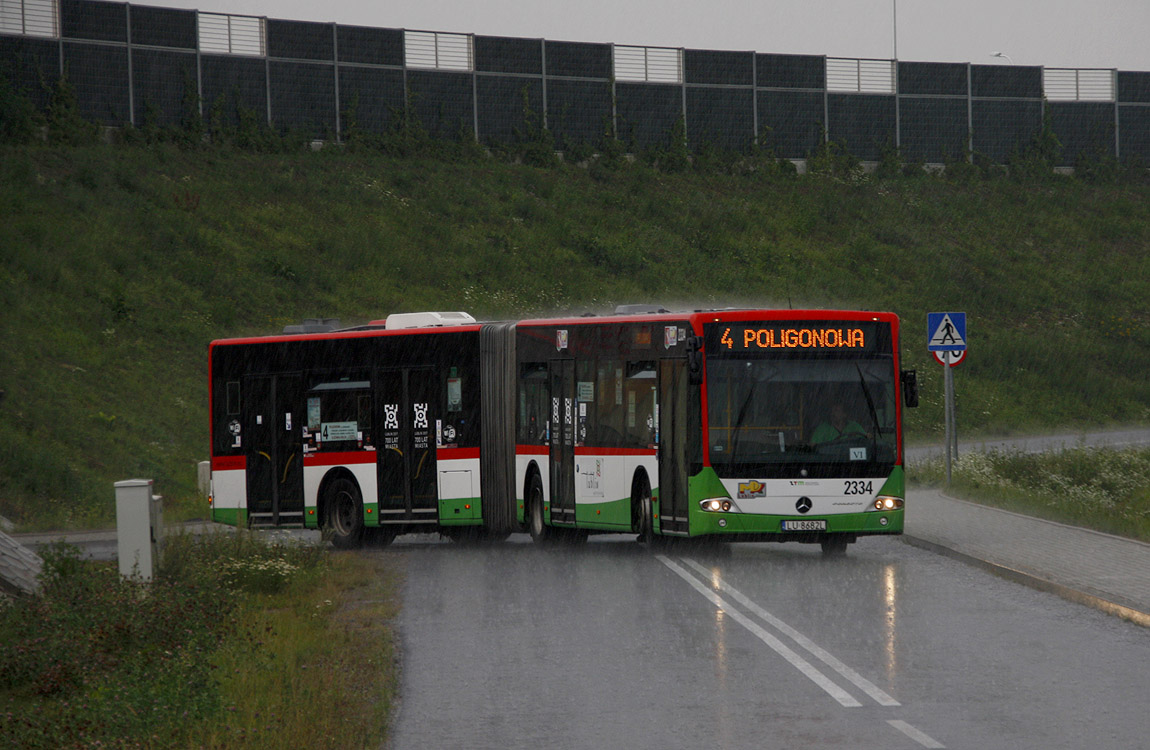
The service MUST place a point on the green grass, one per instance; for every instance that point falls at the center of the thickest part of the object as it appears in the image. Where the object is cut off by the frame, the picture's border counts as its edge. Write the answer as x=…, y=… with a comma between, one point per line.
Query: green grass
x=119, y=263
x=1097, y=488
x=240, y=642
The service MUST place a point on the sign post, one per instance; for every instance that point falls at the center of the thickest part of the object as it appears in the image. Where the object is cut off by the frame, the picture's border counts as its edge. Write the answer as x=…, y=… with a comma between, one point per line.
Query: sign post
x=946, y=339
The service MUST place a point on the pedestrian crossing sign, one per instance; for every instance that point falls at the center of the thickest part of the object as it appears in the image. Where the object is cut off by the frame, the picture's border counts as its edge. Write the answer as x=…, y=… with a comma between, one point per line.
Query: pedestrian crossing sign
x=946, y=331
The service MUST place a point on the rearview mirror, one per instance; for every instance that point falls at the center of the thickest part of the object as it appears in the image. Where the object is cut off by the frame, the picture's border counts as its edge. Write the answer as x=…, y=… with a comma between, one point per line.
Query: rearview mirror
x=695, y=360
x=910, y=388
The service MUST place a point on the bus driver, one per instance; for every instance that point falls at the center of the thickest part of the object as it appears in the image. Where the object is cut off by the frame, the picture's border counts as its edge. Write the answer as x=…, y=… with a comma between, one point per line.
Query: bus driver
x=837, y=427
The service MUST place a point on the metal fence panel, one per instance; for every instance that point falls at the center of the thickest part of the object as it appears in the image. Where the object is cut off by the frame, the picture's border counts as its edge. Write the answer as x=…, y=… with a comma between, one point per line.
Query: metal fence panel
x=1133, y=87
x=791, y=122
x=83, y=19
x=721, y=117
x=300, y=40
x=860, y=76
x=1002, y=129
x=1084, y=129
x=442, y=101
x=370, y=97
x=719, y=68
x=864, y=123
x=1075, y=84
x=303, y=97
x=435, y=50
x=647, y=112
x=648, y=64
x=231, y=35
x=1006, y=81
x=504, y=54
x=933, y=79
x=99, y=74
x=581, y=85
x=502, y=110
x=933, y=129
x=160, y=82
x=32, y=65
x=577, y=59
x=29, y=17
x=790, y=71
x=578, y=111
x=1134, y=134
x=370, y=46
x=163, y=27
x=230, y=85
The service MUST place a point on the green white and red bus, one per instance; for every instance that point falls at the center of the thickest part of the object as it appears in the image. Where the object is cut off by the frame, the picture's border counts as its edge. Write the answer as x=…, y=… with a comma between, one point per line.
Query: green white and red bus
x=752, y=425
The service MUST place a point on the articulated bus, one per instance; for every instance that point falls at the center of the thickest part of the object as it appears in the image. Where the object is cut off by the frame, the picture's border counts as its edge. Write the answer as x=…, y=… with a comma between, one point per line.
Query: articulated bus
x=753, y=425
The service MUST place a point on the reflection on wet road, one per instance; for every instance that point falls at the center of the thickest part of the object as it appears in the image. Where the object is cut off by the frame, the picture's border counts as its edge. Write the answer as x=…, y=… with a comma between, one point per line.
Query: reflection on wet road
x=608, y=645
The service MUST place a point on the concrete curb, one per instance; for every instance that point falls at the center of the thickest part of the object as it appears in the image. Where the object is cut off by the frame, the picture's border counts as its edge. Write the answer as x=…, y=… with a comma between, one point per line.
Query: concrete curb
x=1035, y=582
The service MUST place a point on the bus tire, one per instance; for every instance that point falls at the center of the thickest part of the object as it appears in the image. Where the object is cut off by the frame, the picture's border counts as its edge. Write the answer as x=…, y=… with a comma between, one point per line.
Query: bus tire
x=344, y=510
x=541, y=533
x=642, y=510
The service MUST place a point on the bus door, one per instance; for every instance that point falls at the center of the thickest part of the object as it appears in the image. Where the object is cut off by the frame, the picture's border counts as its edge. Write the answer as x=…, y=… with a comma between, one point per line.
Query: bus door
x=561, y=374
x=406, y=465
x=673, y=439
x=273, y=449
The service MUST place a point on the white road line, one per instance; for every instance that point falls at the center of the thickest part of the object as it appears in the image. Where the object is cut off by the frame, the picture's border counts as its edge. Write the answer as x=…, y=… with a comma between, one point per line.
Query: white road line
x=843, y=697
x=868, y=687
x=917, y=735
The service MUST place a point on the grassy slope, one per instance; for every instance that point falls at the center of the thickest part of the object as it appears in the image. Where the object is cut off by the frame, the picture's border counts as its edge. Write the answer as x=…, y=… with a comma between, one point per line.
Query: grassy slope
x=118, y=265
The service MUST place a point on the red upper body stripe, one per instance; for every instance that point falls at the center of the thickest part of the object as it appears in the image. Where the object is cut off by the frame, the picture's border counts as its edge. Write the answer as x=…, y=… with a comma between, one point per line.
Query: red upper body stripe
x=339, y=458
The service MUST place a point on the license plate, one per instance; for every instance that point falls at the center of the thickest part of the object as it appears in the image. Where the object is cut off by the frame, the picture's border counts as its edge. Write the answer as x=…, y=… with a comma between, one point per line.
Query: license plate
x=811, y=525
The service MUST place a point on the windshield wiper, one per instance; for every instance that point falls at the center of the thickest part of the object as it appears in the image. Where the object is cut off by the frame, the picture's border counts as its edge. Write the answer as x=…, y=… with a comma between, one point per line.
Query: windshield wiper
x=869, y=403
x=739, y=425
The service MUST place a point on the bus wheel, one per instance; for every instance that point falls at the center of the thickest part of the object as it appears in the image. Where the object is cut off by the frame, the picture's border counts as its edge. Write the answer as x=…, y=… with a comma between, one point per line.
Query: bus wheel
x=642, y=509
x=835, y=546
x=344, y=514
x=541, y=533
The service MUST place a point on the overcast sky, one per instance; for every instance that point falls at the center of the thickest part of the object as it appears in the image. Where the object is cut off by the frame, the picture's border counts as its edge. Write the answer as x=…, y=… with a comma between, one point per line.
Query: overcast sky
x=1054, y=33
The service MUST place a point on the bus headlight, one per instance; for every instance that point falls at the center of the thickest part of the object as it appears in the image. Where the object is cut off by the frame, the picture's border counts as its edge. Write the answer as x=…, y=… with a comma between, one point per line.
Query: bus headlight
x=887, y=502
x=716, y=504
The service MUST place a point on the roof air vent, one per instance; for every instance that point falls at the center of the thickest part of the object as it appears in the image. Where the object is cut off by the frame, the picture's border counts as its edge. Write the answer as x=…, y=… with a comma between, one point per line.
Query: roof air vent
x=313, y=325
x=640, y=309
x=428, y=319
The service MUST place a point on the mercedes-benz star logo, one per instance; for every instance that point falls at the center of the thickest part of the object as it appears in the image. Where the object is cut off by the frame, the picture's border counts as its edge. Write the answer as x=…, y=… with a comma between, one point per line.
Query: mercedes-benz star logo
x=803, y=505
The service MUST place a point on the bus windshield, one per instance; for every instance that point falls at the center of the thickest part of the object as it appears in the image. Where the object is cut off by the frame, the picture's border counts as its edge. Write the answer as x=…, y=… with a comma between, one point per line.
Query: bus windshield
x=800, y=416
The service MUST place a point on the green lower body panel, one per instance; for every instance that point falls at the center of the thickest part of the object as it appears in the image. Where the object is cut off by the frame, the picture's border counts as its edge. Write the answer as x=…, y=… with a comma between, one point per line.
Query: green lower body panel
x=231, y=516
x=462, y=511
x=609, y=516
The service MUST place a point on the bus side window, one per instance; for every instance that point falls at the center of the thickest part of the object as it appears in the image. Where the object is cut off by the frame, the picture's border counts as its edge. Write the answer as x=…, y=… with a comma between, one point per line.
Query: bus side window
x=227, y=419
x=611, y=404
x=640, y=394
x=339, y=411
x=531, y=414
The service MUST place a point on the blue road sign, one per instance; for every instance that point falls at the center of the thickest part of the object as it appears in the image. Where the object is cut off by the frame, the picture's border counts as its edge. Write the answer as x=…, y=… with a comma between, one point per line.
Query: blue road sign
x=946, y=331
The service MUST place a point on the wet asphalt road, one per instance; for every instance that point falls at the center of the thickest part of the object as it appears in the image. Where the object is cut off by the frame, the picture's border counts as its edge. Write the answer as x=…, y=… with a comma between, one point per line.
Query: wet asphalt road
x=753, y=646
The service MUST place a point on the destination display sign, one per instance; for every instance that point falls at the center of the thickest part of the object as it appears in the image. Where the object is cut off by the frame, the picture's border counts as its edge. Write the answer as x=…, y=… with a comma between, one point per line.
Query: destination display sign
x=795, y=336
